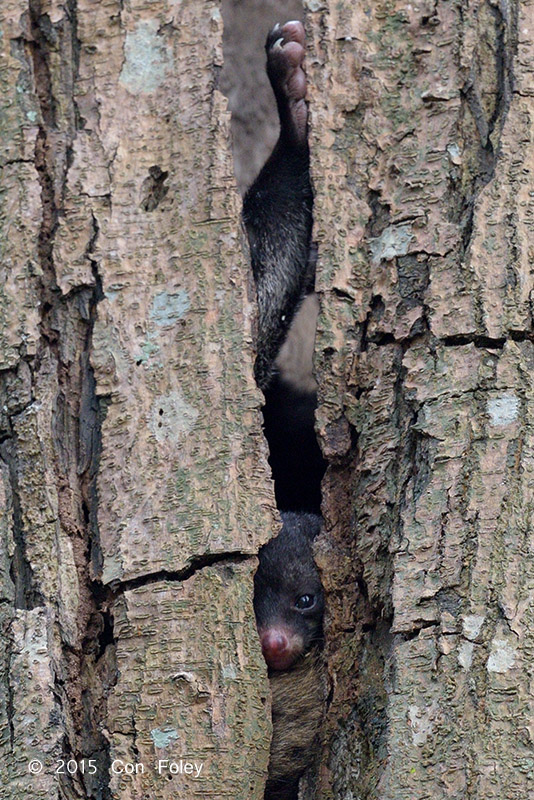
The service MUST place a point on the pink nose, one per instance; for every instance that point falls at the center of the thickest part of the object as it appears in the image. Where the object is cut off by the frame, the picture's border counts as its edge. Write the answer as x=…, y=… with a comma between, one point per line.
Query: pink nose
x=274, y=644
x=280, y=648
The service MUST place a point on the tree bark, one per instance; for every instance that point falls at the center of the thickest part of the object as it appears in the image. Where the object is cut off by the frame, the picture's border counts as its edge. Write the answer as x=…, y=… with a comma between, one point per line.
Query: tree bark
x=135, y=490
x=423, y=169
x=134, y=481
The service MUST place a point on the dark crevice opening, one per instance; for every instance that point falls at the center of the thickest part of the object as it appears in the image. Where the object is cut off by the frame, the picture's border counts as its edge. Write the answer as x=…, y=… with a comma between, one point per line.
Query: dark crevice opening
x=295, y=458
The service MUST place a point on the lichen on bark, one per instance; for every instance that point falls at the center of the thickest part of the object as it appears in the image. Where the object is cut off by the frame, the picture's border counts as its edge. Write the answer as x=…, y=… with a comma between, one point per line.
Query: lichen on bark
x=133, y=467
x=421, y=133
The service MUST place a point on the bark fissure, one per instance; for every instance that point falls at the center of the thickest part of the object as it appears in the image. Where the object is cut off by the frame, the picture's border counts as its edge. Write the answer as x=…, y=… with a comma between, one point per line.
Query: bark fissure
x=413, y=633
x=197, y=565
x=92, y=412
x=489, y=126
x=455, y=340
x=429, y=119
x=67, y=318
x=27, y=594
x=101, y=99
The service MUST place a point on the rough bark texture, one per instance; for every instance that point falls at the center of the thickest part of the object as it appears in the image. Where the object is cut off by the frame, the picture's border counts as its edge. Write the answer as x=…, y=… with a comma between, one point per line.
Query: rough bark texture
x=423, y=168
x=133, y=468
x=133, y=481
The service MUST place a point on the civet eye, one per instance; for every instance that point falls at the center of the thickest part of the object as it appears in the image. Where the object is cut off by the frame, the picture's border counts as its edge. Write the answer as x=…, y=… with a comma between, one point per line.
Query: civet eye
x=305, y=602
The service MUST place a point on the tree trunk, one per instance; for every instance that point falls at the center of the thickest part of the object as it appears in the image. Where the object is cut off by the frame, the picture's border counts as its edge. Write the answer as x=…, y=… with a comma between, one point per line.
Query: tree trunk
x=422, y=162
x=135, y=489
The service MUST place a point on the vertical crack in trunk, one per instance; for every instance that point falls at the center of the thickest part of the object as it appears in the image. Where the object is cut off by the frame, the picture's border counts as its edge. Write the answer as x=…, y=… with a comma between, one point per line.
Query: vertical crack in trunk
x=27, y=595
x=90, y=422
x=67, y=323
x=488, y=125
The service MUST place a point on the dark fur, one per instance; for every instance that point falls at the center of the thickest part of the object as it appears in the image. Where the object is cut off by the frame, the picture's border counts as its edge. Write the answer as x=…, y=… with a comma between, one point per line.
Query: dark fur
x=298, y=701
x=277, y=213
x=286, y=572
